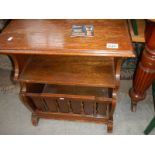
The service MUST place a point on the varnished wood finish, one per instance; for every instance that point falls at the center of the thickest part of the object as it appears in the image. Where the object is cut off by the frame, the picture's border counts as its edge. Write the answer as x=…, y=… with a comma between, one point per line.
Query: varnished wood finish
x=27, y=102
x=71, y=99
x=145, y=73
x=19, y=61
x=71, y=117
x=76, y=90
x=118, y=63
x=34, y=119
x=111, y=110
x=83, y=71
x=53, y=37
x=63, y=77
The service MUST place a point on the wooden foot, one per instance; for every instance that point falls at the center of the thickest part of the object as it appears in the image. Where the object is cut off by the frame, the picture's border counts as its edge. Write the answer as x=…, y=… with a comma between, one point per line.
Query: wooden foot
x=133, y=106
x=110, y=127
x=35, y=120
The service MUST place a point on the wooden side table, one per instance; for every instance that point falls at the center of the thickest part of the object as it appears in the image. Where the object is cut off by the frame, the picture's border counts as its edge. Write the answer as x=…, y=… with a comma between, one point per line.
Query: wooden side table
x=145, y=72
x=64, y=77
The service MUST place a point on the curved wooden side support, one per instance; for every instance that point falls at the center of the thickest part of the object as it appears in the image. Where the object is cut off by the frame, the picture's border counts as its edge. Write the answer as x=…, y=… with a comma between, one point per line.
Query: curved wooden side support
x=19, y=61
x=27, y=102
x=112, y=109
x=113, y=105
x=118, y=63
x=15, y=65
x=29, y=87
x=23, y=87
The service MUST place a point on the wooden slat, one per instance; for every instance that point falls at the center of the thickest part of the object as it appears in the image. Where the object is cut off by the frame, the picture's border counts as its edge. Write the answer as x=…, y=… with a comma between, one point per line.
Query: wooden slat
x=102, y=109
x=88, y=107
x=92, y=98
x=51, y=104
x=39, y=103
x=72, y=117
x=63, y=105
x=76, y=106
x=95, y=108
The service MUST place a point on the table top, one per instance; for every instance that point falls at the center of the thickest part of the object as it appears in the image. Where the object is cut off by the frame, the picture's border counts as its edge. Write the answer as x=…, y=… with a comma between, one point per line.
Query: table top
x=53, y=37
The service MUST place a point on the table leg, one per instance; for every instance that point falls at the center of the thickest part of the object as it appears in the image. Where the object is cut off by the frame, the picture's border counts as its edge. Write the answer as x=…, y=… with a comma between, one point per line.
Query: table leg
x=145, y=72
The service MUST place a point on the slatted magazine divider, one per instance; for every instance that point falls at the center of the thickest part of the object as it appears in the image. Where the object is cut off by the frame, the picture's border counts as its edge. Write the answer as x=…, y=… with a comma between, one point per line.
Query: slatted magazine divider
x=89, y=101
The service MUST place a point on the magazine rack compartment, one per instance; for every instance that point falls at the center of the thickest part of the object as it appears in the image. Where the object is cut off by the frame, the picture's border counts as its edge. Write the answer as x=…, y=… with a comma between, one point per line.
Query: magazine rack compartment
x=71, y=101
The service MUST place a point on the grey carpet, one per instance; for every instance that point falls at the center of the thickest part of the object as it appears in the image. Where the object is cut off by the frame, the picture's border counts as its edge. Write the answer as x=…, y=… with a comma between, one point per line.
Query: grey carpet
x=15, y=118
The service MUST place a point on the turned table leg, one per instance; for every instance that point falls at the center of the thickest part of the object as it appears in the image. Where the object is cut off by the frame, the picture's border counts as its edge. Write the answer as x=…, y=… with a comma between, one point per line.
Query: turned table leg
x=145, y=72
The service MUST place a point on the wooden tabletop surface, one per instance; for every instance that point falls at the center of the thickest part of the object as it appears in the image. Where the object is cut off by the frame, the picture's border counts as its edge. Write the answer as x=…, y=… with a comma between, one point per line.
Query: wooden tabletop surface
x=51, y=37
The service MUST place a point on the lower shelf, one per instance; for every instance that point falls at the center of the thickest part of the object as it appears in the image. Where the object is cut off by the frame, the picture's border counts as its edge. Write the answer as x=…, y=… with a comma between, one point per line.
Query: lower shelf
x=70, y=70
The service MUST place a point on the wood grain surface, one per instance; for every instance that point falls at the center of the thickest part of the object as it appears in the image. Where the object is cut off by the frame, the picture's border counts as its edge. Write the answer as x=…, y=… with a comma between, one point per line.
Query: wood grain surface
x=54, y=37
x=70, y=70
